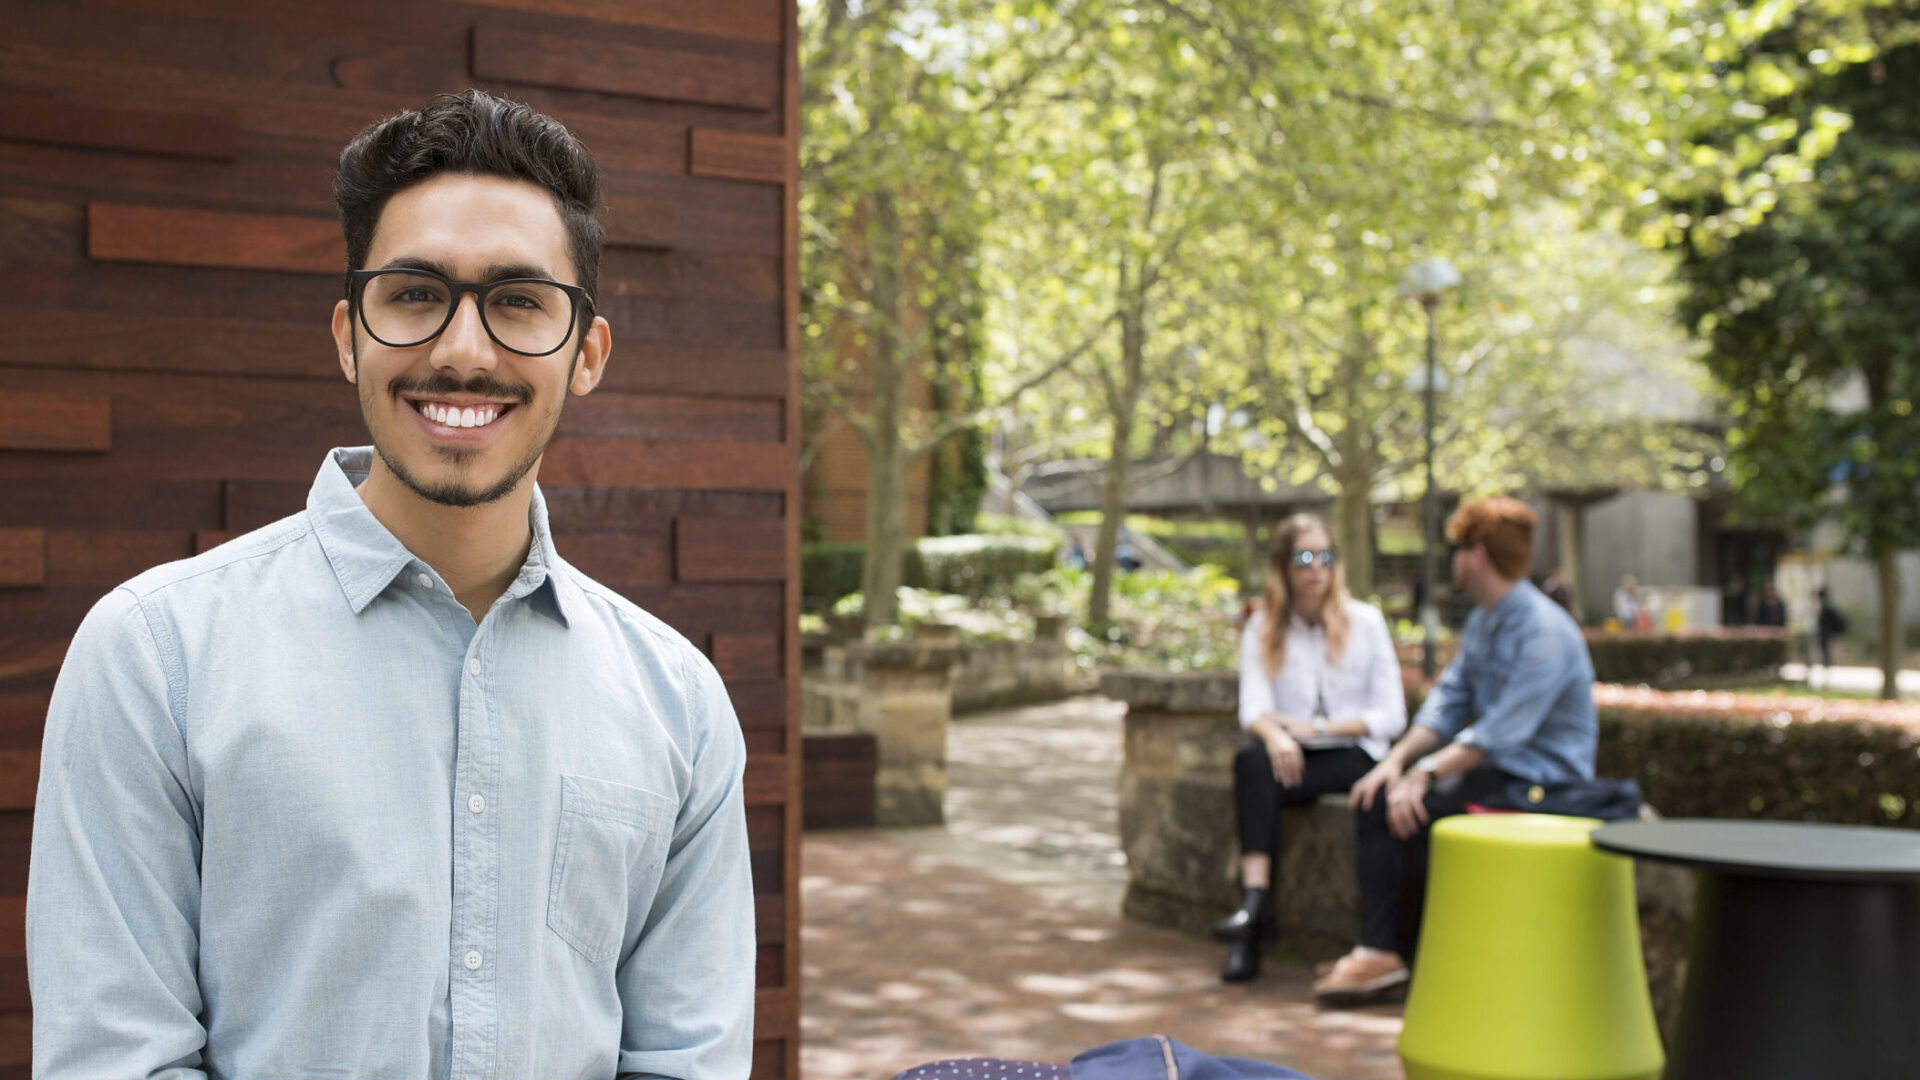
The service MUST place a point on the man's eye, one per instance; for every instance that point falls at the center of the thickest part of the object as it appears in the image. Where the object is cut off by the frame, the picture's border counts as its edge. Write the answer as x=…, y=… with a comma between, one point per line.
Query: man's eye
x=418, y=294
x=519, y=300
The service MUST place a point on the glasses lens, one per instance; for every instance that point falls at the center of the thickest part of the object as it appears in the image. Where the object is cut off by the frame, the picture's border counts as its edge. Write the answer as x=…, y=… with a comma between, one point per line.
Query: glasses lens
x=530, y=316
x=403, y=308
x=1323, y=556
x=407, y=307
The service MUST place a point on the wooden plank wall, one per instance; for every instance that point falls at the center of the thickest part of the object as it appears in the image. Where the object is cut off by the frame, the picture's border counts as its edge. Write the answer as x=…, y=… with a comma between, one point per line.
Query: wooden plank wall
x=169, y=260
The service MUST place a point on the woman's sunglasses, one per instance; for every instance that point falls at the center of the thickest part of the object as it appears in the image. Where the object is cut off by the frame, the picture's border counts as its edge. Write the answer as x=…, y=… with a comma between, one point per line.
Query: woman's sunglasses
x=1307, y=557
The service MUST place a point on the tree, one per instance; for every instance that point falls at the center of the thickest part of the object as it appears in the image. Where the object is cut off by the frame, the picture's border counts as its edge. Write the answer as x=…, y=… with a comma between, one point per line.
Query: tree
x=1815, y=301
x=902, y=103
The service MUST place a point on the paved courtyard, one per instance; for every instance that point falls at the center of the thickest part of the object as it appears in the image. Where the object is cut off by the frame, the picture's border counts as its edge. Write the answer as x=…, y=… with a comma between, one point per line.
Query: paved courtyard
x=1000, y=935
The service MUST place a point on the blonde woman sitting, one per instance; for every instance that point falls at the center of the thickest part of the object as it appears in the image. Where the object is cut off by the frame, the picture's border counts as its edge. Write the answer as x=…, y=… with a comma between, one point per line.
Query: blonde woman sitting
x=1320, y=699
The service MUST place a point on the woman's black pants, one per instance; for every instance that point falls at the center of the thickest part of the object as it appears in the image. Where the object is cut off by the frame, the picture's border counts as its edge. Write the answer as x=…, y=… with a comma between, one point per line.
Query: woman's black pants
x=1258, y=798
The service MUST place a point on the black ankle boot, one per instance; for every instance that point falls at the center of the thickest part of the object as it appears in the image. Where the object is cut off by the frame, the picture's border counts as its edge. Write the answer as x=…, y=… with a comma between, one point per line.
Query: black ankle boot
x=1243, y=961
x=1252, y=918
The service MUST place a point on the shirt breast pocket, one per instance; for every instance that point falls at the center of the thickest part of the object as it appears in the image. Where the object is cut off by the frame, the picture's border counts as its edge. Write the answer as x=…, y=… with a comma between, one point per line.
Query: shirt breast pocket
x=607, y=860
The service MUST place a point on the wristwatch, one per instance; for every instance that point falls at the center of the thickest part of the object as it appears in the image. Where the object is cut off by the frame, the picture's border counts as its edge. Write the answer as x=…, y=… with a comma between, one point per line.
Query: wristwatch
x=1319, y=725
x=1427, y=765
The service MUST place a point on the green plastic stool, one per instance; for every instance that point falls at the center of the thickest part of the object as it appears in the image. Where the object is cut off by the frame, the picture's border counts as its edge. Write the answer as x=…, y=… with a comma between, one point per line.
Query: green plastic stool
x=1529, y=965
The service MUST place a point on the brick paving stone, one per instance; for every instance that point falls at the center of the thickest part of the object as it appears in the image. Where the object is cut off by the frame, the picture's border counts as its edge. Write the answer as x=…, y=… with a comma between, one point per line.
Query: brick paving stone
x=999, y=935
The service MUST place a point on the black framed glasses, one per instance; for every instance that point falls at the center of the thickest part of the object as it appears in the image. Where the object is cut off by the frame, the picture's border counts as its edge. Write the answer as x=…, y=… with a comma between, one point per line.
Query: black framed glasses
x=405, y=308
x=1309, y=556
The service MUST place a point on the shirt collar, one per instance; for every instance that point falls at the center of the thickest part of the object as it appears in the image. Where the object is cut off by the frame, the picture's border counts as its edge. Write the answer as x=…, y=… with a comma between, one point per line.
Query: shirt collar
x=366, y=558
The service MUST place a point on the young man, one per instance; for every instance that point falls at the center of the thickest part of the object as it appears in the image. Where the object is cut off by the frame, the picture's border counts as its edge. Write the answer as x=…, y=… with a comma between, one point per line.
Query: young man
x=1523, y=680
x=387, y=788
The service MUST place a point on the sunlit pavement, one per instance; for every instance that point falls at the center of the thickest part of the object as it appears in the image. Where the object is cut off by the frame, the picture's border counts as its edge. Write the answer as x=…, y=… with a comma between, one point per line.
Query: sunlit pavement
x=1852, y=680
x=999, y=935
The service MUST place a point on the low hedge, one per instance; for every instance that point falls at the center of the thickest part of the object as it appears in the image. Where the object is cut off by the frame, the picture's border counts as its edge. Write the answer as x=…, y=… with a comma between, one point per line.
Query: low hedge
x=1658, y=658
x=1699, y=754
x=973, y=565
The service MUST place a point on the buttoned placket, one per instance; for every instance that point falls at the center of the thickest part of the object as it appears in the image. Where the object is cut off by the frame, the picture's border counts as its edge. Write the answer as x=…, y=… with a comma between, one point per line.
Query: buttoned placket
x=473, y=939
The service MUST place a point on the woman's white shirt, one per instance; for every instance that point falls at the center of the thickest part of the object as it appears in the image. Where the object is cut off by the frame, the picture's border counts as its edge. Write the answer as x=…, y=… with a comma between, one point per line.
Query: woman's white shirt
x=1364, y=684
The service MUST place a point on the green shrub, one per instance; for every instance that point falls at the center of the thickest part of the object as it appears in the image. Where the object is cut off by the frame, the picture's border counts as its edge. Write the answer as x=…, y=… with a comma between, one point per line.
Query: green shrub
x=977, y=564
x=829, y=570
x=1676, y=657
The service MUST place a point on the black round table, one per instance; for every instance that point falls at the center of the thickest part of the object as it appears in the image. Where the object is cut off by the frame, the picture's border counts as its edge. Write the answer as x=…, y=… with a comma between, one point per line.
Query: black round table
x=1805, y=954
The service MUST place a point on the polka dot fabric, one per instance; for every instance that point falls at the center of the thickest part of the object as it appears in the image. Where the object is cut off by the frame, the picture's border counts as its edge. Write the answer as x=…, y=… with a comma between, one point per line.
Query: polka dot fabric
x=987, y=1069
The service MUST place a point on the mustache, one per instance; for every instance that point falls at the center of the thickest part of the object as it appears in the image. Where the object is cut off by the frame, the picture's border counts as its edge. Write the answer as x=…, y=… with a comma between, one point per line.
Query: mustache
x=485, y=385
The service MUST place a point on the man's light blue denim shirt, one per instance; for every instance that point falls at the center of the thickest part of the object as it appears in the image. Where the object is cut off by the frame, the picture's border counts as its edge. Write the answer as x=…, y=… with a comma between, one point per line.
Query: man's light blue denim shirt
x=1524, y=672
x=299, y=817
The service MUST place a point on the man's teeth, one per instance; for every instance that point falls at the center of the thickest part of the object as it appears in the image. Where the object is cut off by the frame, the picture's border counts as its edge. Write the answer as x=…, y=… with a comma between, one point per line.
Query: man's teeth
x=456, y=416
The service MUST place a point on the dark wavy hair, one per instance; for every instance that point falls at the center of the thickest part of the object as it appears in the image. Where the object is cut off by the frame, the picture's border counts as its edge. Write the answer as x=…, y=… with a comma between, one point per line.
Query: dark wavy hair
x=478, y=134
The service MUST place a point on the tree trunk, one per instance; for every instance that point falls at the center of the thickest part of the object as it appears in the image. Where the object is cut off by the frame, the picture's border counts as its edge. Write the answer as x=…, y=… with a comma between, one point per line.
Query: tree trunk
x=1113, y=489
x=1353, y=527
x=1886, y=572
x=886, y=467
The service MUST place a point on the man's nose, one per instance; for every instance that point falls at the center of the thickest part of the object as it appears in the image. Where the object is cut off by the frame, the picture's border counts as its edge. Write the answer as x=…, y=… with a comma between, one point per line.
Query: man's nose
x=464, y=345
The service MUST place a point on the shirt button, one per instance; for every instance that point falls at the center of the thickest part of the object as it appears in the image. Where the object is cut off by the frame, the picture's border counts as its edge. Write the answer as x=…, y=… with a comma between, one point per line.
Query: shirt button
x=476, y=804
x=473, y=961
x=473, y=666
x=425, y=581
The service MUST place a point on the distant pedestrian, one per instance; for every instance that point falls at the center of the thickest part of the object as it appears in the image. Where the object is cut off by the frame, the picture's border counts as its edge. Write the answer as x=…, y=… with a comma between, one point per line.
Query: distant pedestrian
x=1627, y=605
x=1125, y=555
x=1828, y=624
x=1560, y=592
x=1772, y=610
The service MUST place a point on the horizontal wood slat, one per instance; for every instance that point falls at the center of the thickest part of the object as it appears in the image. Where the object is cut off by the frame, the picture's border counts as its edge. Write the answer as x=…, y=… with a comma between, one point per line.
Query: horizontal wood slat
x=641, y=222
x=614, y=67
x=34, y=117
x=19, y=778
x=13, y=923
x=24, y=658
x=747, y=657
x=16, y=1043
x=13, y=981
x=647, y=463
x=23, y=714
x=610, y=414
x=765, y=783
x=120, y=233
x=212, y=538
x=769, y=1060
x=110, y=556
x=617, y=559
x=773, y=1012
x=729, y=549
x=753, y=20
x=70, y=422
x=23, y=557
x=733, y=155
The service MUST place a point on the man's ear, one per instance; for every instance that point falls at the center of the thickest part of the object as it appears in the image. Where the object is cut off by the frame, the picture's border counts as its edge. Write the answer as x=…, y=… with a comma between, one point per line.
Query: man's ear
x=343, y=340
x=595, y=347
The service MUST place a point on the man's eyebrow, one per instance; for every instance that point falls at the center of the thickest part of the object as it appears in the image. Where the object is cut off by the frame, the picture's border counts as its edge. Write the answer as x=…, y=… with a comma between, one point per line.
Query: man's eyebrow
x=496, y=272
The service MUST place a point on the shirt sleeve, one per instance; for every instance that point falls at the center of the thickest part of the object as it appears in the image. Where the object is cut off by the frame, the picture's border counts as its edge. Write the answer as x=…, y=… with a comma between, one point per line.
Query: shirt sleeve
x=113, y=885
x=1536, y=681
x=1386, y=711
x=1256, y=690
x=687, y=989
x=1449, y=705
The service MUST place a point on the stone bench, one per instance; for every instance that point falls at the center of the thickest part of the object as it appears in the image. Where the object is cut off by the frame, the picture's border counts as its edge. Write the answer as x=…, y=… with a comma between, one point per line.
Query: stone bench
x=1183, y=858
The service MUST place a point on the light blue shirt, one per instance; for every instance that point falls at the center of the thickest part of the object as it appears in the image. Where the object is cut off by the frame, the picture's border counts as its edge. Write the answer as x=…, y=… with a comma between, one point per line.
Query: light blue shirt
x=1523, y=671
x=299, y=817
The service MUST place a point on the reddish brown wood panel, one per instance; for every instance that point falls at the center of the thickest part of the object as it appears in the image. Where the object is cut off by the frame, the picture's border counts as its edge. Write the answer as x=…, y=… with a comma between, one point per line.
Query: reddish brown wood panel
x=29, y=659
x=33, y=117
x=729, y=549
x=765, y=783
x=645, y=463
x=619, y=558
x=13, y=981
x=212, y=538
x=80, y=338
x=774, y=1012
x=13, y=923
x=176, y=237
x=611, y=414
x=23, y=713
x=769, y=1060
x=19, y=777
x=615, y=67
x=732, y=155
x=66, y=422
x=110, y=556
x=667, y=369
x=747, y=657
x=754, y=20
x=16, y=1042
x=23, y=557
x=640, y=222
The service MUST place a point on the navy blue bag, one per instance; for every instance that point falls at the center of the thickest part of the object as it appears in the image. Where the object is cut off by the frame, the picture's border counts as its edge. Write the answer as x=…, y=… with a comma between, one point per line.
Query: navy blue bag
x=1154, y=1057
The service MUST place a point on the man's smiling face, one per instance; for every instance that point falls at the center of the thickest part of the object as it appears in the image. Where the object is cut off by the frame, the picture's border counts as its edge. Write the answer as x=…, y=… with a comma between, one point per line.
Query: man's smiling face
x=460, y=420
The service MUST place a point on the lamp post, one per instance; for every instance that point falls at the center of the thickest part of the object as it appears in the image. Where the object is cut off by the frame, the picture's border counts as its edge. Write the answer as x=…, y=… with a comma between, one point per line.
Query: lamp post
x=1426, y=281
